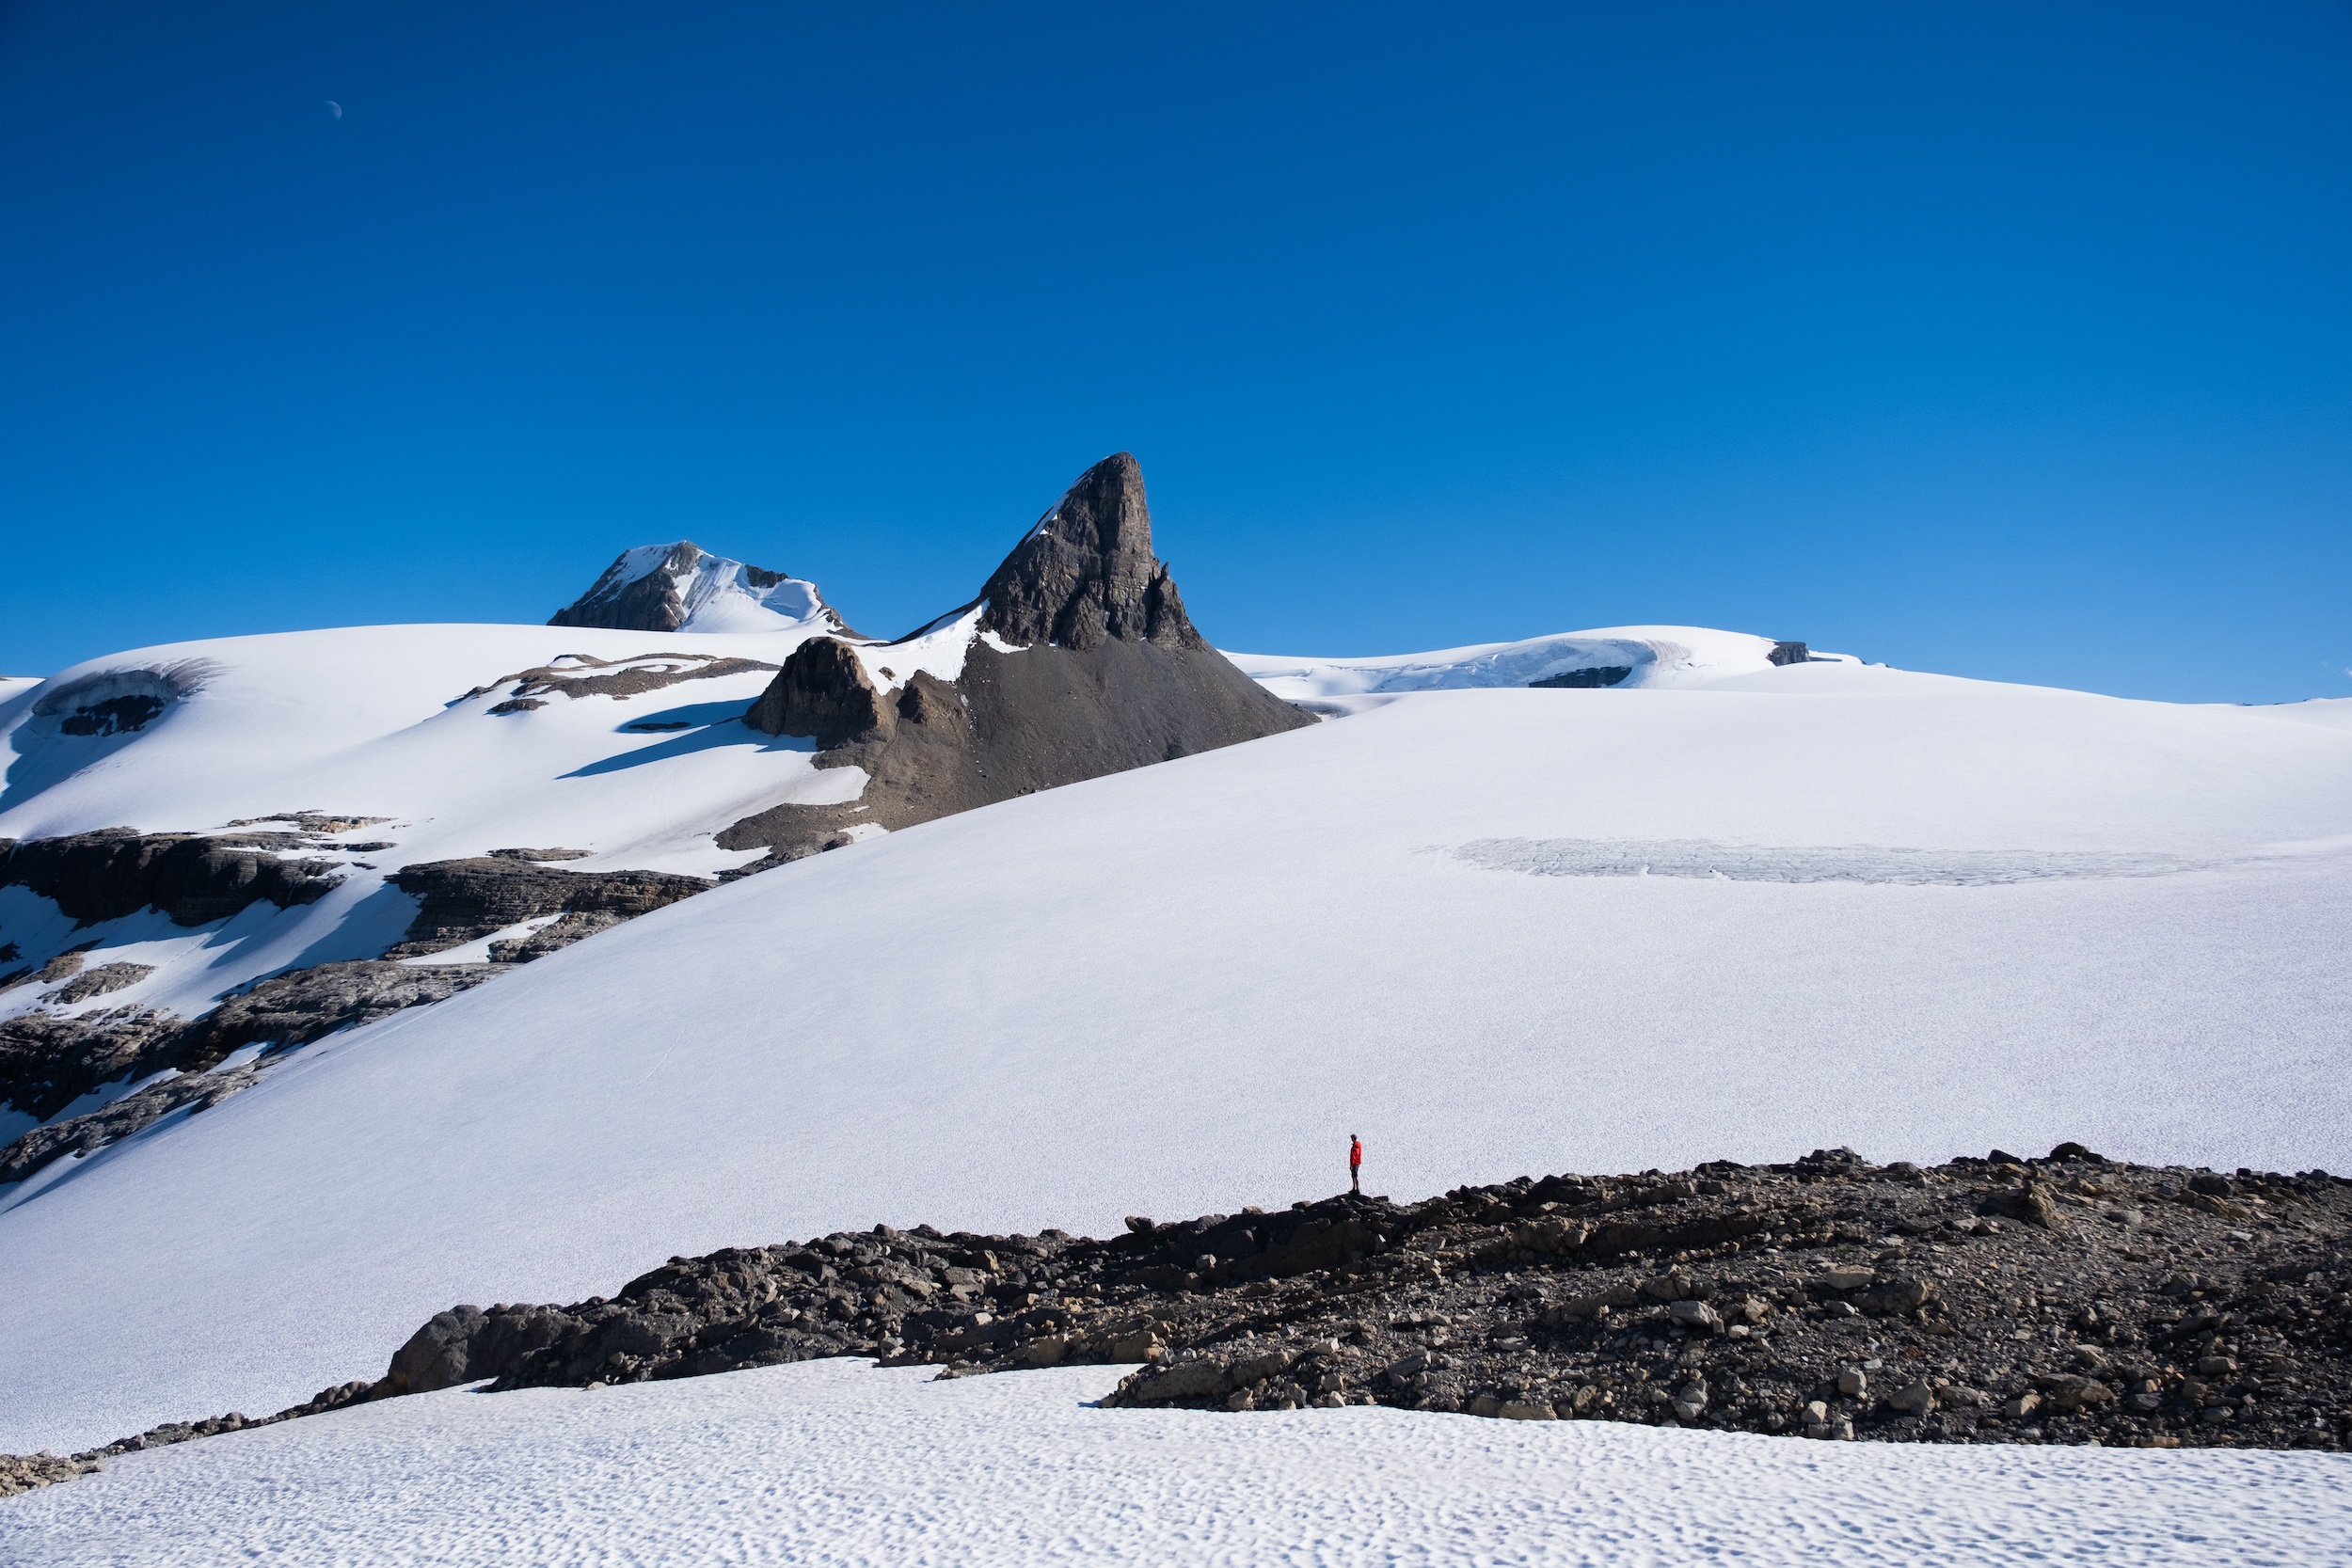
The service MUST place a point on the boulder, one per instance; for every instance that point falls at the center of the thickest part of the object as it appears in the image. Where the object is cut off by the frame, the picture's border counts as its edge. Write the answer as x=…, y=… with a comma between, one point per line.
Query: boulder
x=1892, y=1297
x=1913, y=1399
x=1187, y=1380
x=823, y=693
x=1696, y=1317
x=440, y=1355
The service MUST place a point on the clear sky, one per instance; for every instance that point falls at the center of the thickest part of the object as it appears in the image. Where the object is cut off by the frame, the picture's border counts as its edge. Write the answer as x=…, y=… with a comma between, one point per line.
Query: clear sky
x=2004, y=340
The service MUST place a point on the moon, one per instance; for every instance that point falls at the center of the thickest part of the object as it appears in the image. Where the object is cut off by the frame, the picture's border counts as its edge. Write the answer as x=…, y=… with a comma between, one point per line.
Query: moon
x=334, y=108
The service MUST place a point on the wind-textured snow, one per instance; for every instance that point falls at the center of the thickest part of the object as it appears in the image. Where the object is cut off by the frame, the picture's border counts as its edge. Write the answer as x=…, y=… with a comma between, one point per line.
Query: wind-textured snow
x=835, y=1462
x=1177, y=991
x=1821, y=862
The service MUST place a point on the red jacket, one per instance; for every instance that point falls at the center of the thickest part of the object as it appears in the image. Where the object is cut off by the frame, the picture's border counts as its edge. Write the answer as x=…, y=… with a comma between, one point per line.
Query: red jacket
x=1355, y=1153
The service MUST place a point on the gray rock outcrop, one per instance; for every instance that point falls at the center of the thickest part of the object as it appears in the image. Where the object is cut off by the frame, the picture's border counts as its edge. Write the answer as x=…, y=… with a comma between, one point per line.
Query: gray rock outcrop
x=115, y=701
x=192, y=877
x=822, y=692
x=1085, y=576
x=464, y=900
x=1108, y=673
x=1601, y=674
x=647, y=603
x=102, y=981
x=50, y=1060
x=307, y=1005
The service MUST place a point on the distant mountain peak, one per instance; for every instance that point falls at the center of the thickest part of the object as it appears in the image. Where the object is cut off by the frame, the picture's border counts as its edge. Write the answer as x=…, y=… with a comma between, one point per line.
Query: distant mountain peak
x=682, y=587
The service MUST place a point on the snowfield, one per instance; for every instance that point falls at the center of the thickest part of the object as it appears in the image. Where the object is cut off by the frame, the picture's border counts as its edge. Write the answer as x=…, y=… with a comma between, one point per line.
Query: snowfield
x=1719, y=908
x=1177, y=991
x=835, y=1462
x=1626, y=657
x=374, y=721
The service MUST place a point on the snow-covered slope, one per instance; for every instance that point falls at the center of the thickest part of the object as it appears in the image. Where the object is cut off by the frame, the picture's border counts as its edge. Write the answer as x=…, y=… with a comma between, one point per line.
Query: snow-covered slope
x=416, y=725
x=833, y=1463
x=1178, y=989
x=1627, y=657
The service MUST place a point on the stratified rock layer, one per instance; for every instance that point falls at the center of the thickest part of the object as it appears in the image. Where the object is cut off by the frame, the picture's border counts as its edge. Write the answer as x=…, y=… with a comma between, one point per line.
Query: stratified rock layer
x=192, y=877
x=50, y=1059
x=464, y=900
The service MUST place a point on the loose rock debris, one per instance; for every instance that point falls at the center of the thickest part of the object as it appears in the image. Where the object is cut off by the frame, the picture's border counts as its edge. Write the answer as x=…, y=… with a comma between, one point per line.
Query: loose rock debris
x=2071, y=1299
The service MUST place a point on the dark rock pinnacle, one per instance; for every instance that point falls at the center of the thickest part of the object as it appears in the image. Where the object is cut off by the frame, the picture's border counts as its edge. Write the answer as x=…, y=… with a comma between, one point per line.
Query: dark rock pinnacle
x=1105, y=672
x=1085, y=572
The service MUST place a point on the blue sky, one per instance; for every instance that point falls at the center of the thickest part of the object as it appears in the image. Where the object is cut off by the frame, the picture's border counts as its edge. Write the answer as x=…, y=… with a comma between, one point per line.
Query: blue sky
x=2011, y=341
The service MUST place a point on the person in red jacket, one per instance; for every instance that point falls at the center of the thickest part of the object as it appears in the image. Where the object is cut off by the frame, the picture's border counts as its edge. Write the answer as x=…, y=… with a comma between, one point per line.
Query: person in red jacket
x=1354, y=1164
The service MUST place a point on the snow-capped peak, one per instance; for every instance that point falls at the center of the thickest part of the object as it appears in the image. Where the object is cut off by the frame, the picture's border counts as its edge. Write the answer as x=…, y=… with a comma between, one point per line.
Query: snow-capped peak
x=681, y=587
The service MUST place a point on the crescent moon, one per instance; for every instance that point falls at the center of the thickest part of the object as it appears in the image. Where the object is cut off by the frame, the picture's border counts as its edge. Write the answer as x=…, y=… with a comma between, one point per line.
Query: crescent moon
x=334, y=108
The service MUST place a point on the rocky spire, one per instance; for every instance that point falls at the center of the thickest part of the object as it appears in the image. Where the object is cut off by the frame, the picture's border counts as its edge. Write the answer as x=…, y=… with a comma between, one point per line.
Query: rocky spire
x=1085, y=574
x=1093, y=668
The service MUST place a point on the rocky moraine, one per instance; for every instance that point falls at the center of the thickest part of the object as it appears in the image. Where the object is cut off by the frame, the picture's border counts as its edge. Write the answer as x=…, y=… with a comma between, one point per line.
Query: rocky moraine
x=2070, y=1299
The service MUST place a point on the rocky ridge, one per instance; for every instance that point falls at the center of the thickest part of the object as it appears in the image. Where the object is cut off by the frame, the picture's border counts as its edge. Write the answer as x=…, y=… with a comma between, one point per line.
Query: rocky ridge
x=2071, y=1299
x=669, y=587
x=48, y=1060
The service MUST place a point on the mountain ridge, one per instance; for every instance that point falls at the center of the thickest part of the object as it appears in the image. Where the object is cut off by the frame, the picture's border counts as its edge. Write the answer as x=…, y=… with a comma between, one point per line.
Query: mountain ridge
x=681, y=587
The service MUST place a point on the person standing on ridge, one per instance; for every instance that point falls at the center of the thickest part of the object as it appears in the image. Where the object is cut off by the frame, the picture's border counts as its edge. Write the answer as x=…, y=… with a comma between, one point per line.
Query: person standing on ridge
x=1354, y=1165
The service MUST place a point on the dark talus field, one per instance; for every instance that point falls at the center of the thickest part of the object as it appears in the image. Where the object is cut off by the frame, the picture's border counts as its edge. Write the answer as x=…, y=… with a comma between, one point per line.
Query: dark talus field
x=2067, y=1300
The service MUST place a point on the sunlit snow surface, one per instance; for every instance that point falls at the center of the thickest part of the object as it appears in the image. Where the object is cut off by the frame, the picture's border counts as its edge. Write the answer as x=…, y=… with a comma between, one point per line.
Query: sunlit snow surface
x=835, y=1462
x=1650, y=656
x=1820, y=863
x=1177, y=991
x=375, y=721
